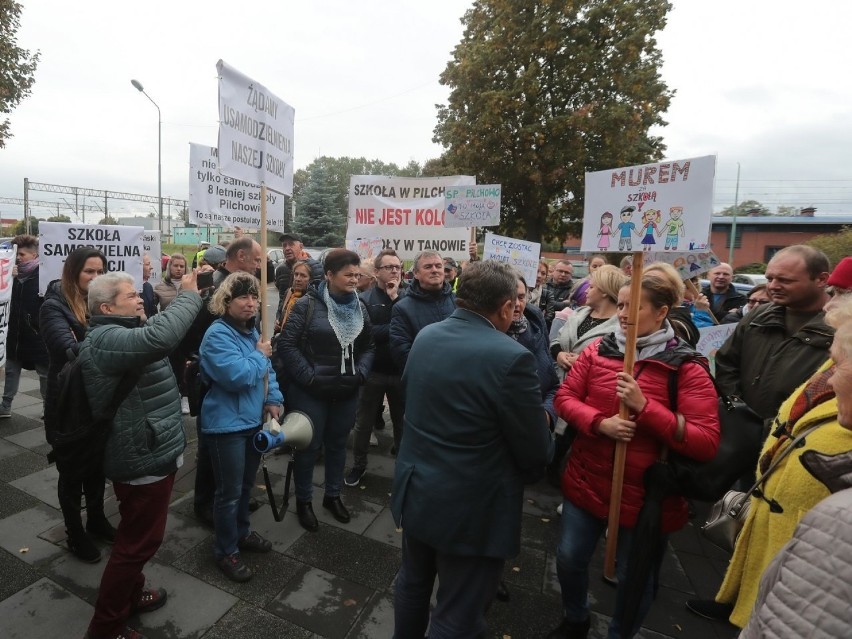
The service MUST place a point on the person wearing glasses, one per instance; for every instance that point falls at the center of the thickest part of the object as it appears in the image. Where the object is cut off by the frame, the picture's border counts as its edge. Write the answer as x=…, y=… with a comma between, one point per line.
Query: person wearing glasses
x=325, y=354
x=560, y=287
x=430, y=299
x=385, y=378
x=757, y=297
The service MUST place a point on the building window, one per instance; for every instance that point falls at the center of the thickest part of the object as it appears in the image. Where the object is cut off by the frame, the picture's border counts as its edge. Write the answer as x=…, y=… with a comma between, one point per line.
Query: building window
x=739, y=238
x=770, y=251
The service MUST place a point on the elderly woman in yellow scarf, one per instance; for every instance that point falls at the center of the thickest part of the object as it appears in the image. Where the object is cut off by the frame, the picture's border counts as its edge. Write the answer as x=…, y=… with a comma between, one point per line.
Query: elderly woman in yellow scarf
x=301, y=278
x=789, y=491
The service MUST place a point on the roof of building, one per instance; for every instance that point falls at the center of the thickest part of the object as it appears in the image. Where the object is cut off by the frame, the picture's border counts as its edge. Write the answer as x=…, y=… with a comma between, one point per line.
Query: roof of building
x=840, y=220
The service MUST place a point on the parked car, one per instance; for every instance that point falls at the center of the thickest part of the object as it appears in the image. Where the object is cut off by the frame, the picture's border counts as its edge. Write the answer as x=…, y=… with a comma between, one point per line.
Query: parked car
x=752, y=279
x=276, y=255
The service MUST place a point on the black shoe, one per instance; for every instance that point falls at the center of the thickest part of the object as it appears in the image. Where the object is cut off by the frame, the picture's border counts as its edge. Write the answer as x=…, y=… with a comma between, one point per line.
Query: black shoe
x=305, y=511
x=571, y=630
x=710, y=609
x=204, y=514
x=234, y=568
x=502, y=593
x=253, y=504
x=336, y=508
x=254, y=543
x=353, y=477
x=83, y=547
x=100, y=528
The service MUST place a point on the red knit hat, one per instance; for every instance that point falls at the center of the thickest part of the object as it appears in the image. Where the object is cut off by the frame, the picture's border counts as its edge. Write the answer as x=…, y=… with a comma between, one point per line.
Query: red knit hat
x=841, y=276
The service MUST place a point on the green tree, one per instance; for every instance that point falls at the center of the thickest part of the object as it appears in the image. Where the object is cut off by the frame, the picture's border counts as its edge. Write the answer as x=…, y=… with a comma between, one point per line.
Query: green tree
x=748, y=207
x=543, y=91
x=20, y=227
x=107, y=219
x=788, y=211
x=59, y=217
x=17, y=65
x=835, y=245
x=335, y=173
x=319, y=220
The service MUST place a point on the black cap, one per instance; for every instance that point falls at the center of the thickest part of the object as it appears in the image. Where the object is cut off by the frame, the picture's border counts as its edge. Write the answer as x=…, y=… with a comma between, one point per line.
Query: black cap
x=450, y=262
x=292, y=237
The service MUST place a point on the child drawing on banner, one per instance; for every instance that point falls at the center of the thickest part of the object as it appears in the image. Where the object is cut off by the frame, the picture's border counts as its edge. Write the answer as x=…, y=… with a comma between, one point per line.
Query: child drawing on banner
x=605, y=230
x=681, y=267
x=625, y=229
x=693, y=263
x=673, y=228
x=651, y=217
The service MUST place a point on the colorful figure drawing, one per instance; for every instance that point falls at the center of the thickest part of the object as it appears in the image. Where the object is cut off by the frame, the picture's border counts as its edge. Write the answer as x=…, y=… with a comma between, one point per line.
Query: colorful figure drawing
x=605, y=231
x=693, y=263
x=651, y=217
x=625, y=229
x=674, y=228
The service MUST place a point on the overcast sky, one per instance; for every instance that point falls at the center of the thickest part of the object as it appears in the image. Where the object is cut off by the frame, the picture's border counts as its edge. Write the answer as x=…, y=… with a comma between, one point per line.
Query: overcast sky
x=762, y=83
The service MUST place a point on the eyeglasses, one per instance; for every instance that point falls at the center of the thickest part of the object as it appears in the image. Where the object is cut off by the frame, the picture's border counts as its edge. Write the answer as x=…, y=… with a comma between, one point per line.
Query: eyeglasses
x=753, y=300
x=390, y=267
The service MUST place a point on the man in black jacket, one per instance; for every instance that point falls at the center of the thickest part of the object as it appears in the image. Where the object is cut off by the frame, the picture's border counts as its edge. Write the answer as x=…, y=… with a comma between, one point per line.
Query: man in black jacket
x=721, y=293
x=384, y=378
x=430, y=299
x=560, y=287
x=292, y=246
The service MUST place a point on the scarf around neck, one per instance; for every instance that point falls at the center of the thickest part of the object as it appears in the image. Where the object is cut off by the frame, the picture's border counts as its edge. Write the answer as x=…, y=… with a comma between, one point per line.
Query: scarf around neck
x=25, y=268
x=517, y=328
x=649, y=345
x=346, y=321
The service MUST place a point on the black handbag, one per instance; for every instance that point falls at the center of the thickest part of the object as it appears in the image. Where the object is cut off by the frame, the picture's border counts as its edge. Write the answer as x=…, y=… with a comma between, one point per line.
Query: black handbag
x=740, y=442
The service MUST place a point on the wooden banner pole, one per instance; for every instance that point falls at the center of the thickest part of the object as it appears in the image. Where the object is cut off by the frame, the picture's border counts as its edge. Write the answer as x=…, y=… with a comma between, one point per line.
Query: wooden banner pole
x=264, y=293
x=623, y=412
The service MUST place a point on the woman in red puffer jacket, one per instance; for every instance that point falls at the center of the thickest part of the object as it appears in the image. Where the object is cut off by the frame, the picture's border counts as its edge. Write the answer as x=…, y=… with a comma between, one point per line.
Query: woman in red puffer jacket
x=589, y=401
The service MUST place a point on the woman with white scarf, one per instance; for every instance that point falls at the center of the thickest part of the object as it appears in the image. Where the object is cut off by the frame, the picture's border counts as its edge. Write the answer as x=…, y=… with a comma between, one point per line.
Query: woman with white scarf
x=589, y=401
x=325, y=353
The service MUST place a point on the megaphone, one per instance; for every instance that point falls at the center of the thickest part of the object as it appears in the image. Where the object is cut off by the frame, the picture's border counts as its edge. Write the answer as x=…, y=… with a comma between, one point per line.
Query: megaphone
x=296, y=431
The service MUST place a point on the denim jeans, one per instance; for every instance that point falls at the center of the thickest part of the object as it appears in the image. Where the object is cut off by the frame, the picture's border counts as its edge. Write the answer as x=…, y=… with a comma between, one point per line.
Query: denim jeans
x=332, y=420
x=235, y=463
x=13, y=380
x=579, y=537
x=369, y=400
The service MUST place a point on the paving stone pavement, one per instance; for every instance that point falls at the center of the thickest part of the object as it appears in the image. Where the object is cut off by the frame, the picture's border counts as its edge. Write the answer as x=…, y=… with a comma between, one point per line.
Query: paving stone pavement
x=336, y=583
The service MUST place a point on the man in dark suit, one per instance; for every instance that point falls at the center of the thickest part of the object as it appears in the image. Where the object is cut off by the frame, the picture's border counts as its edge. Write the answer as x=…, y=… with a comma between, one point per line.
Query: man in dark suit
x=473, y=436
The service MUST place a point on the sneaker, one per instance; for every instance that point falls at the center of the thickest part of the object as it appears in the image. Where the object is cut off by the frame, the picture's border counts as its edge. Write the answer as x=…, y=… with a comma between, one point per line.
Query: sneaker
x=254, y=543
x=150, y=600
x=374, y=441
x=184, y=405
x=5, y=412
x=353, y=477
x=234, y=568
x=710, y=609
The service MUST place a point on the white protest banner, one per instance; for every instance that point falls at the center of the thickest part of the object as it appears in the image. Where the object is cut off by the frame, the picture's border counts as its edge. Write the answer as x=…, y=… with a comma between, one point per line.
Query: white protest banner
x=472, y=206
x=367, y=248
x=669, y=203
x=711, y=340
x=8, y=258
x=218, y=200
x=255, y=132
x=121, y=245
x=688, y=265
x=406, y=213
x=521, y=254
x=152, y=246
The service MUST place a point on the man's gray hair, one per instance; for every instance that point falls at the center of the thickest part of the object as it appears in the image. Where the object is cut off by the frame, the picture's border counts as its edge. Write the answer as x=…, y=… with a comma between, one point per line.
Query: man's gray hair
x=485, y=286
x=104, y=289
x=420, y=256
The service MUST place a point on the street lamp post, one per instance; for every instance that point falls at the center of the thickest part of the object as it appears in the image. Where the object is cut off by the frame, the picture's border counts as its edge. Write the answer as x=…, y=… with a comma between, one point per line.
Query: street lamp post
x=138, y=86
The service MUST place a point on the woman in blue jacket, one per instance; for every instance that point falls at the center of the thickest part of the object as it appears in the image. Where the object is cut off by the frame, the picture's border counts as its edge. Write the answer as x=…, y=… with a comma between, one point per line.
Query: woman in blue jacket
x=243, y=393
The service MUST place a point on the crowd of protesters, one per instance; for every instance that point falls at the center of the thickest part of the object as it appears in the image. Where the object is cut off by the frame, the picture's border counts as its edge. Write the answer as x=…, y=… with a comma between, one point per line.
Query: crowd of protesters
x=491, y=382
